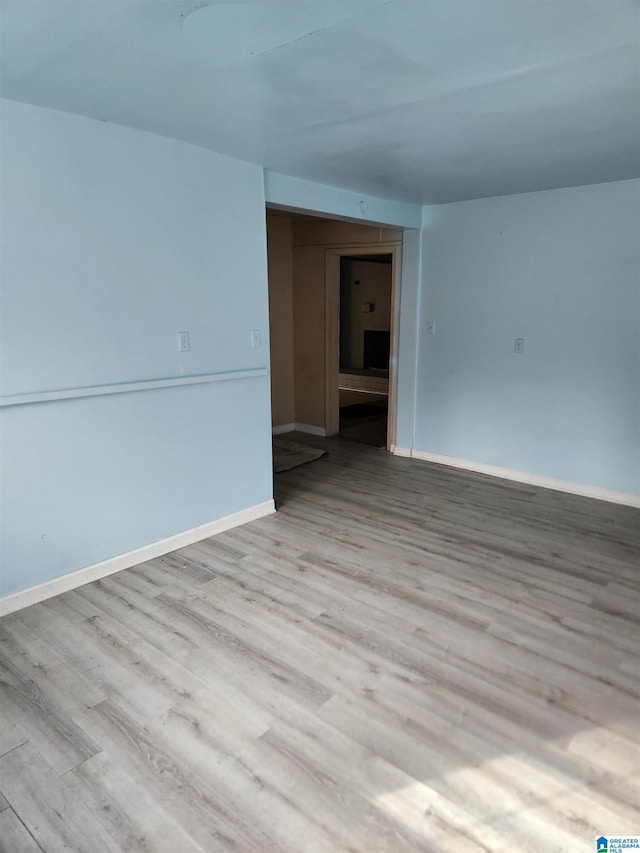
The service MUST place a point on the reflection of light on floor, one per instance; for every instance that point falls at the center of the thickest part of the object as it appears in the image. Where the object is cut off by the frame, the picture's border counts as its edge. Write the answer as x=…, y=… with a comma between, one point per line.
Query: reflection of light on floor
x=511, y=803
x=413, y=806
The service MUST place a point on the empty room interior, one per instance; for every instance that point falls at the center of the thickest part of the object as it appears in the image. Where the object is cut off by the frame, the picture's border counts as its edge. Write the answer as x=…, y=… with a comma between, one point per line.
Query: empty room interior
x=320, y=425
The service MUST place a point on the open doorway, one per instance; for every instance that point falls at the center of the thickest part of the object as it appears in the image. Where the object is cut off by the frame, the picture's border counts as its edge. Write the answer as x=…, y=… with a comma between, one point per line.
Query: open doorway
x=364, y=347
x=378, y=377
x=304, y=259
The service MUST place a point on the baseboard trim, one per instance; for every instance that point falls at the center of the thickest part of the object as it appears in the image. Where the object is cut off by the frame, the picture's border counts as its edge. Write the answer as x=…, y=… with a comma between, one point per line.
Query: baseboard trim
x=310, y=429
x=72, y=580
x=281, y=428
x=581, y=489
x=401, y=451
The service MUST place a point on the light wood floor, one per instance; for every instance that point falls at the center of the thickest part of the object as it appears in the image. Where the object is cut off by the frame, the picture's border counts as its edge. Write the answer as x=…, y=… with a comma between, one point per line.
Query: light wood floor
x=404, y=658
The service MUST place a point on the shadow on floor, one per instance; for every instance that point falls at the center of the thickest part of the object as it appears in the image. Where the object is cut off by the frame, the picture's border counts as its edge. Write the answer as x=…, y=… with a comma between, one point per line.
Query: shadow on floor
x=363, y=418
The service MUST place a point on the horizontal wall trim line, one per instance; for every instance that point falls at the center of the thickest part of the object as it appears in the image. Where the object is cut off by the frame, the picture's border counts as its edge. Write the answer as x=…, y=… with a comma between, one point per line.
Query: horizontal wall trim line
x=72, y=580
x=582, y=489
x=128, y=387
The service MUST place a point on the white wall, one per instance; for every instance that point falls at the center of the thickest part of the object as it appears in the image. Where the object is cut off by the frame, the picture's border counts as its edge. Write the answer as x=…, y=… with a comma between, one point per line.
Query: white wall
x=112, y=241
x=296, y=194
x=560, y=269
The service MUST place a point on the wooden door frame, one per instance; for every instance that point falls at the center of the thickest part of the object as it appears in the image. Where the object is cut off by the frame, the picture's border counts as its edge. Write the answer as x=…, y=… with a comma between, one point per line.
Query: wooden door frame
x=332, y=331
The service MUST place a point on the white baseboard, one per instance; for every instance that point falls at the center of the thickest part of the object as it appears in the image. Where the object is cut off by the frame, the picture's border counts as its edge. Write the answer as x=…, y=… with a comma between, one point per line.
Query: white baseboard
x=401, y=451
x=582, y=489
x=72, y=580
x=281, y=428
x=310, y=429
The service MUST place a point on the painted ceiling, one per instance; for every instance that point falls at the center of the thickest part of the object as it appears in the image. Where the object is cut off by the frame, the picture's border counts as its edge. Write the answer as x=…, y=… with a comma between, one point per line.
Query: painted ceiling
x=418, y=100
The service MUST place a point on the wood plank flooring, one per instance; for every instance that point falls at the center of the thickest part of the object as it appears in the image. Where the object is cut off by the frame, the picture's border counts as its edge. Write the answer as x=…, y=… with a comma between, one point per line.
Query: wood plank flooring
x=405, y=657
